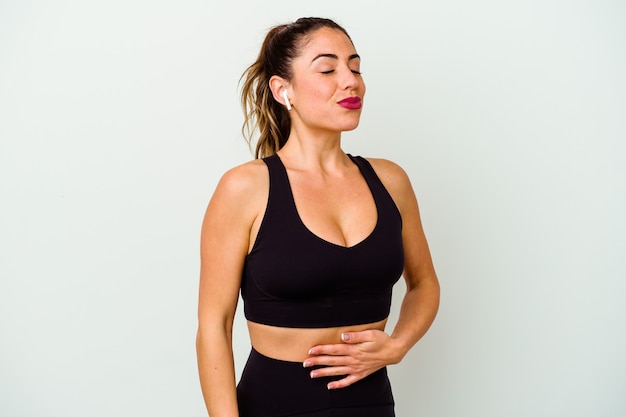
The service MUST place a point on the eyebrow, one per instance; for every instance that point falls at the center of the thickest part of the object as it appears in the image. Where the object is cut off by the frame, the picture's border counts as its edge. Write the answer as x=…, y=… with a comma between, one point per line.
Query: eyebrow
x=333, y=56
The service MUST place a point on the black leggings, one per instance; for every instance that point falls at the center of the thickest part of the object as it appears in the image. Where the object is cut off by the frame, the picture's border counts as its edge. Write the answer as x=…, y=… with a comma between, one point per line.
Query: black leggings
x=275, y=388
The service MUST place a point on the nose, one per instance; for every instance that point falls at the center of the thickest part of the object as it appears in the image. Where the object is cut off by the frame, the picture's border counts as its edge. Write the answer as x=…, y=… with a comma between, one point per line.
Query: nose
x=350, y=80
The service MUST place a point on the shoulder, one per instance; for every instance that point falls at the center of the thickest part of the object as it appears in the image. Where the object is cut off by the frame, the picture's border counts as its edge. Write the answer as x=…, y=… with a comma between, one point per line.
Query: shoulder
x=391, y=174
x=396, y=181
x=243, y=181
x=241, y=190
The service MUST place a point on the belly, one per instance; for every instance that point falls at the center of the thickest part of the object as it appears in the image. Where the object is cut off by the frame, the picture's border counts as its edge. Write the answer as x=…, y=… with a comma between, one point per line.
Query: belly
x=293, y=344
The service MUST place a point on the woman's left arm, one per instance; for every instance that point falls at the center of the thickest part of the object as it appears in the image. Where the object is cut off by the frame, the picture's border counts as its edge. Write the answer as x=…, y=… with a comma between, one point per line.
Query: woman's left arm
x=421, y=301
x=363, y=353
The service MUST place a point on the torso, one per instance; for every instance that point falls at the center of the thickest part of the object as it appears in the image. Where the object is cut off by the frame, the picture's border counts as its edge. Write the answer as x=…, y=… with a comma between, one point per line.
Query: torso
x=339, y=210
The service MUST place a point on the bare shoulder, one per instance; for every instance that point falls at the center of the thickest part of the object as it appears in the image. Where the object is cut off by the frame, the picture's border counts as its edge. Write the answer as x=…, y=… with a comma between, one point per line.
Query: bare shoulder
x=240, y=193
x=398, y=184
x=243, y=179
x=393, y=177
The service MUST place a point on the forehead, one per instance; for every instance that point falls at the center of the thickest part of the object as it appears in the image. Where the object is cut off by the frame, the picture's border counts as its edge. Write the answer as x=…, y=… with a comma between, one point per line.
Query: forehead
x=327, y=41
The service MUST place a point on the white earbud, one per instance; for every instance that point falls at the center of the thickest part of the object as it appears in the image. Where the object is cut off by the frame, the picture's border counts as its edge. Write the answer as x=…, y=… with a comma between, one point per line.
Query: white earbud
x=286, y=97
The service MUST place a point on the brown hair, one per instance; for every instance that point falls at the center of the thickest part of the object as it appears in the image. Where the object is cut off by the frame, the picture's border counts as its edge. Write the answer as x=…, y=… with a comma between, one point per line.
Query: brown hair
x=281, y=45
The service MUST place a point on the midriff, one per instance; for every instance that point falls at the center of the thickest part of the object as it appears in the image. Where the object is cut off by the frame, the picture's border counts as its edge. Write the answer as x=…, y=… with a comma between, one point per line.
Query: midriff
x=293, y=344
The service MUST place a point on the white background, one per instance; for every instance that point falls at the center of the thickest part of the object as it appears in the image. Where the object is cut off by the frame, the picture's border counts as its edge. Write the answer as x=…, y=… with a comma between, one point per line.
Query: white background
x=118, y=117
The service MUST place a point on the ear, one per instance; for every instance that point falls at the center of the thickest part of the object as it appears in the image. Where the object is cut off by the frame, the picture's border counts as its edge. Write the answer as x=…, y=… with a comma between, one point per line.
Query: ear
x=277, y=85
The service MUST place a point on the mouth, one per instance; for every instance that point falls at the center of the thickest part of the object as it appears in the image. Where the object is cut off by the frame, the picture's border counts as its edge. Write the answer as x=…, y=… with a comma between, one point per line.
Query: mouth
x=351, y=103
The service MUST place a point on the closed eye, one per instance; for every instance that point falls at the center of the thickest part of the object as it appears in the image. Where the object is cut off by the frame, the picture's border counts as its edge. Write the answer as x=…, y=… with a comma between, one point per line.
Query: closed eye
x=331, y=71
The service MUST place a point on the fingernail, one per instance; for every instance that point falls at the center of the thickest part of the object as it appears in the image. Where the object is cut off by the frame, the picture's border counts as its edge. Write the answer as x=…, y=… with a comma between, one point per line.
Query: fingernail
x=306, y=364
x=329, y=386
x=311, y=351
x=345, y=337
x=313, y=374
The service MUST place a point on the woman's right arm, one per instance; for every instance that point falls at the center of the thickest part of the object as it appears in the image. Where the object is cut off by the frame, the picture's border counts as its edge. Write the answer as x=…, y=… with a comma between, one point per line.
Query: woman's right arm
x=225, y=239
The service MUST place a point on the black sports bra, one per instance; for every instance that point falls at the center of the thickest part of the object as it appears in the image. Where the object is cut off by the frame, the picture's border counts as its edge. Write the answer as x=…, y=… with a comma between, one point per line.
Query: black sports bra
x=293, y=278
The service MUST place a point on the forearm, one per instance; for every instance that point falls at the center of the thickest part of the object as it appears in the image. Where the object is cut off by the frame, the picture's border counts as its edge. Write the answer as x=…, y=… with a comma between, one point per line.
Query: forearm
x=217, y=372
x=417, y=313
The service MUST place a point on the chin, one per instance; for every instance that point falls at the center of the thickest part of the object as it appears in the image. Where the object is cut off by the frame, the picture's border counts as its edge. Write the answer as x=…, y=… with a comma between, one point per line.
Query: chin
x=350, y=126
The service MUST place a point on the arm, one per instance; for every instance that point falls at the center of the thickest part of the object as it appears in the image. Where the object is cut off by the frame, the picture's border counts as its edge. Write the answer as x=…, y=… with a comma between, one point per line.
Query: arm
x=362, y=353
x=224, y=243
x=421, y=301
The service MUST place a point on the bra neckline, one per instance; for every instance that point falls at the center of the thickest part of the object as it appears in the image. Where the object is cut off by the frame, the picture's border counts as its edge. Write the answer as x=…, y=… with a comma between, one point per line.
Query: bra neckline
x=315, y=235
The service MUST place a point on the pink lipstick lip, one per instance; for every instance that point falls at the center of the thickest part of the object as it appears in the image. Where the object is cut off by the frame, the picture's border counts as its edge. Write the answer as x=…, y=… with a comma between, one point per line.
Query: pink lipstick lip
x=352, y=103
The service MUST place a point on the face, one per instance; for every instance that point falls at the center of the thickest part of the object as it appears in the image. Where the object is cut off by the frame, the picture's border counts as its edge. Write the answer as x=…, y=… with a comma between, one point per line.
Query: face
x=327, y=88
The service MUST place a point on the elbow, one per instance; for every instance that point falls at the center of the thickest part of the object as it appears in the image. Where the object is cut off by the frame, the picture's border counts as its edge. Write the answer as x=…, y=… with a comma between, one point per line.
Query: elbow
x=210, y=332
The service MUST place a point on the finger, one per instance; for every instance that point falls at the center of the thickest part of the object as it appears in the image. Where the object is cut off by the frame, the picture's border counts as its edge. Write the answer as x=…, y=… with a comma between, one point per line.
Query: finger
x=333, y=350
x=357, y=337
x=326, y=360
x=331, y=371
x=344, y=382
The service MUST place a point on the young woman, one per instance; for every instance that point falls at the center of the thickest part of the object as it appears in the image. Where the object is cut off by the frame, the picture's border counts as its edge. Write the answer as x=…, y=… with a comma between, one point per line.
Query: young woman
x=314, y=239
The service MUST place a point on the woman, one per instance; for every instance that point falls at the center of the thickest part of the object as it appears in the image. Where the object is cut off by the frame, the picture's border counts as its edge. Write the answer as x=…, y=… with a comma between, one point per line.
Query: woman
x=315, y=239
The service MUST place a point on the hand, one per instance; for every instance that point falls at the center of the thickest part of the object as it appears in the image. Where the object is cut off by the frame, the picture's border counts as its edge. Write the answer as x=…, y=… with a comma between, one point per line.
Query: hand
x=360, y=354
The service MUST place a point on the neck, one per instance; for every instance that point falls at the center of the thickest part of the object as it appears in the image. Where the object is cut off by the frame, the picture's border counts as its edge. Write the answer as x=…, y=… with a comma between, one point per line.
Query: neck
x=313, y=150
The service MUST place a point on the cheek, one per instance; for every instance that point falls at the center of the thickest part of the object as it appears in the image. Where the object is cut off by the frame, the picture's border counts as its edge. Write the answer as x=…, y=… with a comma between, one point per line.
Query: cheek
x=317, y=96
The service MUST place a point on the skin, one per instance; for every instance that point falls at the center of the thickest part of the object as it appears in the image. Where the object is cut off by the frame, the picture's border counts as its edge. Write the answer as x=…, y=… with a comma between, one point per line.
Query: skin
x=335, y=203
